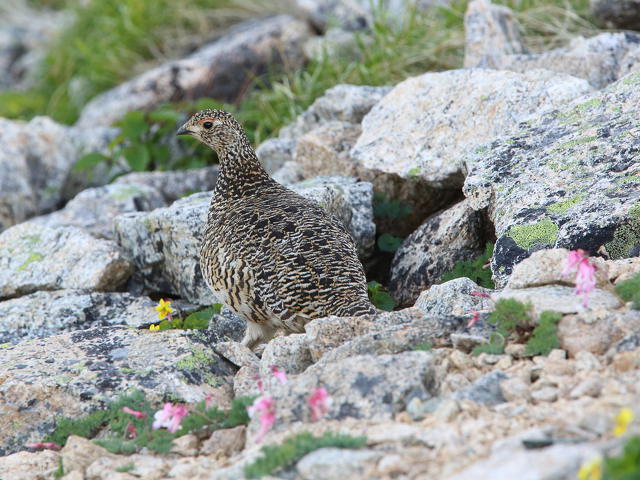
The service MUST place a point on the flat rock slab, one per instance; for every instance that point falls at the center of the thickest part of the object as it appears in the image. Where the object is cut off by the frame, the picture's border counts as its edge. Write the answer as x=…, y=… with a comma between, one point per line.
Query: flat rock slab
x=94, y=209
x=35, y=258
x=219, y=70
x=424, y=126
x=559, y=299
x=164, y=244
x=71, y=374
x=43, y=314
x=569, y=178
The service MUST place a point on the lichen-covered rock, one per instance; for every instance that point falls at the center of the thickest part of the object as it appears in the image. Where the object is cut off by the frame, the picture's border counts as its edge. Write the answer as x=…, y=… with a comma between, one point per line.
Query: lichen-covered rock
x=365, y=386
x=534, y=182
x=42, y=314
x=217, y=70
x=454, y=298
x=164, y=244
x=274, y=153
x=439, y=117
x=617, y=13
x=95, y=208
x=175, y=184
x=36, y=162
x=491, y=32
x=35, y=258
x=338, y=464
x=493, y=41
x=289, y=353
x=70, y=374
x=443, y=240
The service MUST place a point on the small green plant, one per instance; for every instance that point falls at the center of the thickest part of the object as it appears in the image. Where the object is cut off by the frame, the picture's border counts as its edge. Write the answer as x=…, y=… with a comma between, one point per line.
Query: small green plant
x=279, y=457
x=424, y=347
x=544, y=337
x=59, y=473
x=629, y=290
x=122, y=432
x=195, y=320
x=126, y=468
x=512, y=318
x=384, y=207
x=389, y=243
x=627, y=465
x=380, y=297
x=473, y=269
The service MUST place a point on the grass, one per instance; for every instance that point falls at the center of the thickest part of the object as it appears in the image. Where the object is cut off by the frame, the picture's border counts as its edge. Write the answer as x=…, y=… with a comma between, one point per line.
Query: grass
x=473, y=269
x=278, y=457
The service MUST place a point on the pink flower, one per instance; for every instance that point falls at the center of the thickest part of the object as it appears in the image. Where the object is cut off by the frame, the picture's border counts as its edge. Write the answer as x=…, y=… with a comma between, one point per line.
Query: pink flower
x=208, y=400
x=319, y=403
x=474, y=319
x=475, y=293
x=266, y=407
x=131, y=429
x=279, y=374
x=169, y=417
x=259, y=383
x=46, y=445
x=578, y=261
x=135, y=413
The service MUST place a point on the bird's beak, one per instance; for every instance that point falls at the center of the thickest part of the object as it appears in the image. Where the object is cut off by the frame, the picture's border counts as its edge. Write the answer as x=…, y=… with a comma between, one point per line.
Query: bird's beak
x=184, y=131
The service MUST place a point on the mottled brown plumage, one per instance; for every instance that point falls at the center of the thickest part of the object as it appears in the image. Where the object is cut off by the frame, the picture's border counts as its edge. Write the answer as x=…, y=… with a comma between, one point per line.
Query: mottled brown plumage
x=275, y=258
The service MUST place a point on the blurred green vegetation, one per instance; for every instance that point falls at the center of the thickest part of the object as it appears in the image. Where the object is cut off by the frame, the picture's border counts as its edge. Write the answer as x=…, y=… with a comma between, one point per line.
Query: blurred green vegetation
x=111, y=41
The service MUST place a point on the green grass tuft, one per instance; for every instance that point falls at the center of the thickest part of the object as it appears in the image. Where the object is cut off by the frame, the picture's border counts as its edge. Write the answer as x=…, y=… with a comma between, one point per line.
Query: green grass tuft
x=629, y=290
x=473, y=269
x=278, y=457
x=508, y=315
x=544, y=337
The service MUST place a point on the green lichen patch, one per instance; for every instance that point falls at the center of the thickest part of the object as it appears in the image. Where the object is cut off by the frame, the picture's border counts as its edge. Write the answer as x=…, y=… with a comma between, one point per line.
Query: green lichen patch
x=625, y=239
x=633, y=79
x=33, y=257
x=544, y=232
x=575, y=142
x=565, y=205
x=588, y=105
x=199, y=362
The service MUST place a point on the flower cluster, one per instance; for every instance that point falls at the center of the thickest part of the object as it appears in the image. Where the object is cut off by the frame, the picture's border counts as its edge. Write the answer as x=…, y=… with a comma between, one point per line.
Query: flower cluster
x=265, y=406
x=578, y=262
x=169, y=417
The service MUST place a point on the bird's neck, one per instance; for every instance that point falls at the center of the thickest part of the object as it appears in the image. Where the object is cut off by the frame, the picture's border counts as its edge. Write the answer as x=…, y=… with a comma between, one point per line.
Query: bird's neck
x=241, y=173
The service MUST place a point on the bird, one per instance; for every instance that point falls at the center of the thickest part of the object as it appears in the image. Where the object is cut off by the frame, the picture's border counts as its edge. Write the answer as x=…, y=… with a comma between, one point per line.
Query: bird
x=275, y=258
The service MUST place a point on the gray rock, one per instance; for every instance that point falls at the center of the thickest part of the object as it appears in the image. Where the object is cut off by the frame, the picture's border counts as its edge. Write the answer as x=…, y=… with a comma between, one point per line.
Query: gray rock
x=71, y=374
x=493, y=41
x=453, y=299
x=372, y=387
x=42, y=314
x=175, y=184
x=485, y=390
x=288, y=174
x=274, y=153
x=226, y=326
x=491, y=32
x=36, y=161
x=534, y=182
x=289, y=353
x=164, y=244
x=95, y=208
x=36, y=258
x=559, y=299
x=617, y=13
x=443, y=240
x=338, y=464
x=343, y=103
x=218, y=70
x=438, y=117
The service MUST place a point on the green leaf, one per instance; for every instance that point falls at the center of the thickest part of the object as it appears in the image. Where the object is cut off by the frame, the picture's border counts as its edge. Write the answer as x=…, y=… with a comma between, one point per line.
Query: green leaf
x=165, y=115
x=199, y=319
x=159, y=154
x=133, y=125
x=380, y=297
x=90, y=160
x=389, y=243
x=137, y=156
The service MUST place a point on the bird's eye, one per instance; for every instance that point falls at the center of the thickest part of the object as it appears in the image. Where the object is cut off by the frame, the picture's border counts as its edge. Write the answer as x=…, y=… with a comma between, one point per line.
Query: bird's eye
x=207, y=125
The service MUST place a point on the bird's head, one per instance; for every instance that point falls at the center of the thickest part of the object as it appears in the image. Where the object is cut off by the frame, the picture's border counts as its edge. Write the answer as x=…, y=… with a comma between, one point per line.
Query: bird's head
x=215, y=128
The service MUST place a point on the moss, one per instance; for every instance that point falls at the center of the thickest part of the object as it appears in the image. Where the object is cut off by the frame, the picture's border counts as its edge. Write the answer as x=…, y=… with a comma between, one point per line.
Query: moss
x=575, y=142
x=544, y=232
x=414, y=172
x=625, y=238
x=564, y=205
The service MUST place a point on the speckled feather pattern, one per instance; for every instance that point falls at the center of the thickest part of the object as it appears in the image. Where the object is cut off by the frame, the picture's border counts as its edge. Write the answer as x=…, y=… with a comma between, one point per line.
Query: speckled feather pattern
x=275, y=258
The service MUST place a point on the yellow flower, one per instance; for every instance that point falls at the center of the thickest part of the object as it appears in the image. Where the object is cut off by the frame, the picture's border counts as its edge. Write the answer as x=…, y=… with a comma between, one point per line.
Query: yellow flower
x=623, y=419
x=163, y=308
x=591, y=470
x=154, y=328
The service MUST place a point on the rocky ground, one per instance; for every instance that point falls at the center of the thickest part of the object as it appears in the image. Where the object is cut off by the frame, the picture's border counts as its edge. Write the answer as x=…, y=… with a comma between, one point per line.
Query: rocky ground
x=537, y=152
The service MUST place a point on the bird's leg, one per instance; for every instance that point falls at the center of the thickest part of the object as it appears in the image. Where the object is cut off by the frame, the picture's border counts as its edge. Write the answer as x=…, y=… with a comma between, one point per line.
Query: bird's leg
x=256, y=334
